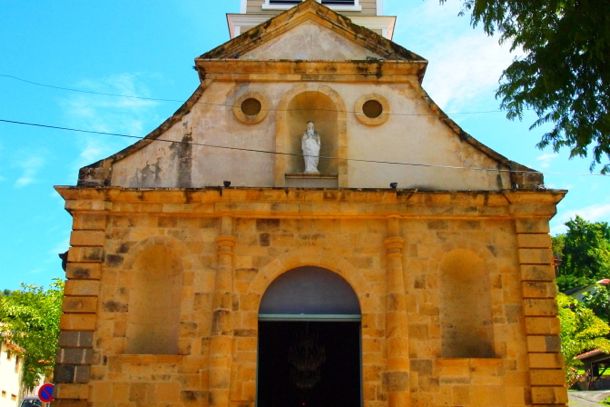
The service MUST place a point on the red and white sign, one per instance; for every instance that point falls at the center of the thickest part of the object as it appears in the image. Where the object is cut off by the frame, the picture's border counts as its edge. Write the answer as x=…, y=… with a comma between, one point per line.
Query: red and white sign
x=45, y=393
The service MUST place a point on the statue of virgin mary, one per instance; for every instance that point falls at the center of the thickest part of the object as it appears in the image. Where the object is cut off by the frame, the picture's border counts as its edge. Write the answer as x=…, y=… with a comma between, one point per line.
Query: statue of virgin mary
x=310, y=144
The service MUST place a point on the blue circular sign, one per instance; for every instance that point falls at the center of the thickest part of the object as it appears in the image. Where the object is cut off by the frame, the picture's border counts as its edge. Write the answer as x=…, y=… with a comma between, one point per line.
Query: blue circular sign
x=45, y=393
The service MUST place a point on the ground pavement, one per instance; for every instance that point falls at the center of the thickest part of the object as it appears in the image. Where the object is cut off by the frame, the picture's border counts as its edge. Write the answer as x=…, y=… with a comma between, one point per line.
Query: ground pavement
x=587, y=398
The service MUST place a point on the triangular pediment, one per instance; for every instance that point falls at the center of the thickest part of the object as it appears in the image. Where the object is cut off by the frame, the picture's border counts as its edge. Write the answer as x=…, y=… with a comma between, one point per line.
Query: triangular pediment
x=310, y=41
x=311, y=31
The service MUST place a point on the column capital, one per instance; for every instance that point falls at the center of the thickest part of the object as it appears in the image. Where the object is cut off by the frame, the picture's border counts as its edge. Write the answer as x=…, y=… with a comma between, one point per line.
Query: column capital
x=227, y=241
x=394, y=245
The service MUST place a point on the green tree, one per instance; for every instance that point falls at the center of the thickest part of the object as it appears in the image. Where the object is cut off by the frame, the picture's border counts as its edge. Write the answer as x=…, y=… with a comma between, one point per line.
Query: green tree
x=598, y=301
x=30, y=318
x=564, y=73
x=585, y=253
x=581, y=330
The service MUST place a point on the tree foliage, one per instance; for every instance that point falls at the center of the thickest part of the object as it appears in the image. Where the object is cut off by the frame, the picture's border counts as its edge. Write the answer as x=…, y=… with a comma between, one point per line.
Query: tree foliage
x=29, y=317
x=564, y=73
x=598, y=301
x=581, y=330
x=583, y=253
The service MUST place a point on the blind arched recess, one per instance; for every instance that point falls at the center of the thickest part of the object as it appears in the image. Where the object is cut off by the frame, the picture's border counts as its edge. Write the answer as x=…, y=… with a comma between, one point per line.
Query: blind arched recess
x=309, y=293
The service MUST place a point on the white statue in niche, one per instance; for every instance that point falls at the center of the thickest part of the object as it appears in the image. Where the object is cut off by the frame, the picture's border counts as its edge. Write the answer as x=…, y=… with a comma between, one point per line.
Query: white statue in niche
x=310, y=144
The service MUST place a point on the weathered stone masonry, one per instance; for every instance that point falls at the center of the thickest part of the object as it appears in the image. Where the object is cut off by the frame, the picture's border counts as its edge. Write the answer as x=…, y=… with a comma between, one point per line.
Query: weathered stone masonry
x=386, y=244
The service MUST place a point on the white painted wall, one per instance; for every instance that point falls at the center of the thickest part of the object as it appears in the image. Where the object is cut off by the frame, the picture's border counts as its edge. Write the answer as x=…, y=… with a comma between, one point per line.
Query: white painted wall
x=413, y=134
x=10, y=377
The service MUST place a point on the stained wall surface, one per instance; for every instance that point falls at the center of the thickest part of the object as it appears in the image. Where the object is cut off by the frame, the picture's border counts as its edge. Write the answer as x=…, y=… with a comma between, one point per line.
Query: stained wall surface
x=412, y=134
x=229, y=246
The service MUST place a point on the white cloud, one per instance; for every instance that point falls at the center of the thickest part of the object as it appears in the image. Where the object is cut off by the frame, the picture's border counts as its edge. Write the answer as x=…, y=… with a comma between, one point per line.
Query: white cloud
x=465, y=63
x=545, y=159
x=591, y=213
x=59, y=247
x=465, y=68
x=104, y=113
x=30, y=167
x=92, y=150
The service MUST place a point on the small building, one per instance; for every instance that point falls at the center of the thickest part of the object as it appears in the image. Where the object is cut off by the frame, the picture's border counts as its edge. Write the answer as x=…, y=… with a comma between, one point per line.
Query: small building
x=595, y=363
x=310, y=229
x=11, y=370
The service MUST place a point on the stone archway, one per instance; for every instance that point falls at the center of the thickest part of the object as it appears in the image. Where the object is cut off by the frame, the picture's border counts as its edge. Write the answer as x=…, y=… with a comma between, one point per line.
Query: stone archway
x=309, y=349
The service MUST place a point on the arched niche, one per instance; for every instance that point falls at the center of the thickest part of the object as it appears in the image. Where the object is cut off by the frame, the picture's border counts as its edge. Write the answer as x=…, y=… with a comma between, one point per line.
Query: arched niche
x=465, y=306
x=326, y=109
x=320, y=109
x=154, y=301
x=309, y=293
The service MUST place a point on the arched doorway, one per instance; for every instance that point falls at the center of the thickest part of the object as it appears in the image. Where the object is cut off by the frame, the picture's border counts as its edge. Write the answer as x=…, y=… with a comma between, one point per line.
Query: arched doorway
x=309, y=341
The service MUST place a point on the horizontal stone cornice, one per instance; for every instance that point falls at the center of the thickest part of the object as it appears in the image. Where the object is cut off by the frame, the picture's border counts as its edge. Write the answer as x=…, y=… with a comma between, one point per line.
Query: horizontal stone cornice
x=296, y=71
x=299, y=203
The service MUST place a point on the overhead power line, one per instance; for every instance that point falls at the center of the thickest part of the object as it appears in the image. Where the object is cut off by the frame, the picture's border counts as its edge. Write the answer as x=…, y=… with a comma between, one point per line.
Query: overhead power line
x=120, y=95
x=89, y=92
x=253, y=150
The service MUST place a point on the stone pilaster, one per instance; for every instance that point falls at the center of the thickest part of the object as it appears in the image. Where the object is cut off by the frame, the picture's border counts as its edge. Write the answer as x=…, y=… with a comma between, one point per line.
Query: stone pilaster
x=78, y=322
x=396, y=375
x=221, y=341
x=547, y=376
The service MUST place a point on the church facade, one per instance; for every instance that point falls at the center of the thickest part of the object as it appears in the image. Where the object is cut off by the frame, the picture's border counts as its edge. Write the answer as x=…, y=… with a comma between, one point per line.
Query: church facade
x=309, y=229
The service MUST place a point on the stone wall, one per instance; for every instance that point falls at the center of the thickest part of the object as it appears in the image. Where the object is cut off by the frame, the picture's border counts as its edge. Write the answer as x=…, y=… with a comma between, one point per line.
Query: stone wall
x=397, y=250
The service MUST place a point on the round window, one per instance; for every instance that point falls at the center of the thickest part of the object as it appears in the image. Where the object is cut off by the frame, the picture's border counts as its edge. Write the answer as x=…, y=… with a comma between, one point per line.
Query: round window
x=251, y=106
x=372, y=109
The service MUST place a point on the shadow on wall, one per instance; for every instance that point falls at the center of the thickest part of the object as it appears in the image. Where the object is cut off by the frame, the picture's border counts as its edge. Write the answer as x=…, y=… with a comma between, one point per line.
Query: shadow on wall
x=465, y=306
x=154, y=302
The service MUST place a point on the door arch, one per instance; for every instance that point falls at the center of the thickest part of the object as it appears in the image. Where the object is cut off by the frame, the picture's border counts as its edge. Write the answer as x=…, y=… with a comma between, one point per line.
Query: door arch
x=309, y=293
x=309, y=347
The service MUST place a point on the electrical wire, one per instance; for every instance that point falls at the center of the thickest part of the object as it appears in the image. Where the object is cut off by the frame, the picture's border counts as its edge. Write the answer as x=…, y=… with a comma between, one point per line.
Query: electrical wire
x=89, y=92
x=119, y=95
x=252, y=150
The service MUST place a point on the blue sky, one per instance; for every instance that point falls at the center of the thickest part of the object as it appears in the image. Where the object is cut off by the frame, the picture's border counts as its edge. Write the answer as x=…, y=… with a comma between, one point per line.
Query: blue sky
x=146, y=48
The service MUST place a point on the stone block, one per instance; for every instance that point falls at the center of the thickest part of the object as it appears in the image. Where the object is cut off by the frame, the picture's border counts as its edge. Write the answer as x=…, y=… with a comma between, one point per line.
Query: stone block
x=82, y=288
x=84, y=271
x=89, y=221
x=453, y=367
x=539, y=307
x=70, y=403
x=75, y=356
x=542, y=326
x=82, y=374
x=515, y=395
x=543, y=344
x=532, y=226
x=87, y=238
x=86, y=254
x=74, y=304
x=167, y=392
x=547, y=377
x=538, y=289
x=545, y=360
x=549, y=395
x=535, y=256
x=539, y=240
x=71, y=391
x=64, y=373
x=76, y=339
x=396, y=381
x=537, y=273
x=78, y=322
